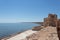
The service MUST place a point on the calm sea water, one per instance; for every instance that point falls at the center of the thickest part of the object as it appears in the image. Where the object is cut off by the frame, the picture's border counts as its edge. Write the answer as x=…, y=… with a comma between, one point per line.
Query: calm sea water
x=11, y=28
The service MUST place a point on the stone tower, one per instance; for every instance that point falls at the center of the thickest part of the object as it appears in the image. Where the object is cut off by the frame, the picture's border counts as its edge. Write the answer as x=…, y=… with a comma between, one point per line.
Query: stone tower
x=50, y=20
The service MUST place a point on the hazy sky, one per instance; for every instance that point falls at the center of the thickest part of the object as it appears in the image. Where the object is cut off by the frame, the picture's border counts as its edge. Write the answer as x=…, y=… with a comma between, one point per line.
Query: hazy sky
x=12, y=11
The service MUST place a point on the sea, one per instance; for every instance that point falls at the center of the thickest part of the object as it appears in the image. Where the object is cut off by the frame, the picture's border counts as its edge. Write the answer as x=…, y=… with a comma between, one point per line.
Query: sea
x=7, y=29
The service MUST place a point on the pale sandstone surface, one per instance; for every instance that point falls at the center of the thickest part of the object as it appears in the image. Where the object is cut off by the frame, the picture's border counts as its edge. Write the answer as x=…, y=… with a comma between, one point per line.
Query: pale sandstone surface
x=21, y=35
x=48, y=33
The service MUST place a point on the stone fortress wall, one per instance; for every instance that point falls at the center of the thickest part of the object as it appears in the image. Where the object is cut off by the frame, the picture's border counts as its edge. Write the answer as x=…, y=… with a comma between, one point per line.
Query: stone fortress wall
x=52, y=20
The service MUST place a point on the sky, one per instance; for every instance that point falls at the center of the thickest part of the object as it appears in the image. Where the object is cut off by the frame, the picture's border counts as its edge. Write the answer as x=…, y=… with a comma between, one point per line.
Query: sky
x=12, y=11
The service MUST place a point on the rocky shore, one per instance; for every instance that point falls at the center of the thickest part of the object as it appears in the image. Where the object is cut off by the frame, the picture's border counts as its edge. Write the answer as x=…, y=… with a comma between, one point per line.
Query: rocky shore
x=48, y=33
x=20, y=36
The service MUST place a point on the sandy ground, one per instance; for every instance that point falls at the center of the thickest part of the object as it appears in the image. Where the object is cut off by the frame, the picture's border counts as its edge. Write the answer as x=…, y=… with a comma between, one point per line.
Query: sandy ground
x=21, y=35
x=48, y=33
